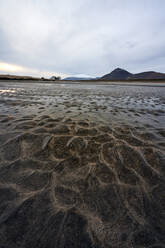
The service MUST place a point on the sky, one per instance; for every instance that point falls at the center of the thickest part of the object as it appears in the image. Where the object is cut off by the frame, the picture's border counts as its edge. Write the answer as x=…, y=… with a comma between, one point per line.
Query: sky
x=81, y=37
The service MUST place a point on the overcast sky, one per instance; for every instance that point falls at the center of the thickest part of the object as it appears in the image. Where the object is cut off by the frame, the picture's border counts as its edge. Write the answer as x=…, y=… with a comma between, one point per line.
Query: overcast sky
x=91, y=37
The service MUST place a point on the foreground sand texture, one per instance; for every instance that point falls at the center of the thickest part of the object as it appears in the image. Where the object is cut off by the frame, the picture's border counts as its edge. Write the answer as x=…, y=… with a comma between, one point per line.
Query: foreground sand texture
x=82, y=166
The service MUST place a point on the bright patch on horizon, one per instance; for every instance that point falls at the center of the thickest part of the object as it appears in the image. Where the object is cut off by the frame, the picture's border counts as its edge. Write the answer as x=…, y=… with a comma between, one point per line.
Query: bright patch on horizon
x=10, y=67
x=20, y=70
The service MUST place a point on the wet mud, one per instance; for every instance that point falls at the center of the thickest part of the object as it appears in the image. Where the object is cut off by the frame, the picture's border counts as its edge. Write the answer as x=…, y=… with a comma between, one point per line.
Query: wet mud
x=82, y=166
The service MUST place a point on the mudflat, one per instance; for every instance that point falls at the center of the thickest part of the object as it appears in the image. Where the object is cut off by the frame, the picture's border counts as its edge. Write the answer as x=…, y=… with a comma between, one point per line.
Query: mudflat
x=82, y=165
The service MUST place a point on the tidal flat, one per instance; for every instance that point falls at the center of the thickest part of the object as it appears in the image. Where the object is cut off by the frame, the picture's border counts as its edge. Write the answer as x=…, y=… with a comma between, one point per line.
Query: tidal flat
x=82, y=165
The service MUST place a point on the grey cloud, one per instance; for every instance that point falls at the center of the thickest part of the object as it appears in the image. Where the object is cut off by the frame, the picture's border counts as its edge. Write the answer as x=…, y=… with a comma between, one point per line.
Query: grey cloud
x=83, y=37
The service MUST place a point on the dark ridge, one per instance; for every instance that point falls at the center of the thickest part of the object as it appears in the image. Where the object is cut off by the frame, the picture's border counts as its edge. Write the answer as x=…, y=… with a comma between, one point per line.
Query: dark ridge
x=120, y=74
x=15, y=77
x=148, y=75
x=117, y=74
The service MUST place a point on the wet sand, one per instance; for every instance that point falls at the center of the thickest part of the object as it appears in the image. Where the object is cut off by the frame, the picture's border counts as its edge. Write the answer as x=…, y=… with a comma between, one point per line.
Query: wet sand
x=82, y=165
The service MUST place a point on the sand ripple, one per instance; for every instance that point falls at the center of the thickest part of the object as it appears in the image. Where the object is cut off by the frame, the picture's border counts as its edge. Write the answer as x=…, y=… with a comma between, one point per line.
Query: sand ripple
x=71, y=183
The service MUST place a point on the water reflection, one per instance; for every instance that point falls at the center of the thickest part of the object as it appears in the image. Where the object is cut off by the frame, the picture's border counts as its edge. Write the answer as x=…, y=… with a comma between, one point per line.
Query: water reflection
x=7, y=91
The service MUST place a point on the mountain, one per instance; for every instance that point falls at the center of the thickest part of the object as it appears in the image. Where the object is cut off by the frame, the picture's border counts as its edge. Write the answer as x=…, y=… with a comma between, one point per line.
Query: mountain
x=148, y=75
x=77, y=78
x=117, y=74
x=120, y=74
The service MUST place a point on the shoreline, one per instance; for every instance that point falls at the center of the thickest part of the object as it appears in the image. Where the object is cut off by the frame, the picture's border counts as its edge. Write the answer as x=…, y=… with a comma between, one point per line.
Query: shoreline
x=149, y=83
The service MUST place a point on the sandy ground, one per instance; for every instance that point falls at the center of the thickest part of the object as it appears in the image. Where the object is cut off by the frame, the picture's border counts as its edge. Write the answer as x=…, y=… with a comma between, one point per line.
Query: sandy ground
x=82, y=165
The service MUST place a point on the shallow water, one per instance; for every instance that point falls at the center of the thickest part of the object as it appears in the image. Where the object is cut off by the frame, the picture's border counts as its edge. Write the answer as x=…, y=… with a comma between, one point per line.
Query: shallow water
x=122, y=102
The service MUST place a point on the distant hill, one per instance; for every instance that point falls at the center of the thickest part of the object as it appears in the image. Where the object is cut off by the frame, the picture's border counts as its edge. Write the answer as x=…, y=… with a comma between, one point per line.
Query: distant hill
x=121, y=74
x=117, y=74
x=77, y=78
x=148, y=75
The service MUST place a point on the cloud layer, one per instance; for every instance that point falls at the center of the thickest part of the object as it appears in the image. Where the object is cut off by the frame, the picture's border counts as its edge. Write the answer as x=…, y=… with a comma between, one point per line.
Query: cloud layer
x=83, y=37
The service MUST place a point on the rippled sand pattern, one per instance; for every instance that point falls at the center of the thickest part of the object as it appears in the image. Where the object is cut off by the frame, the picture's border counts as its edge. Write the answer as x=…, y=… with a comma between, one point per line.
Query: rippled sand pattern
x=76, y=180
